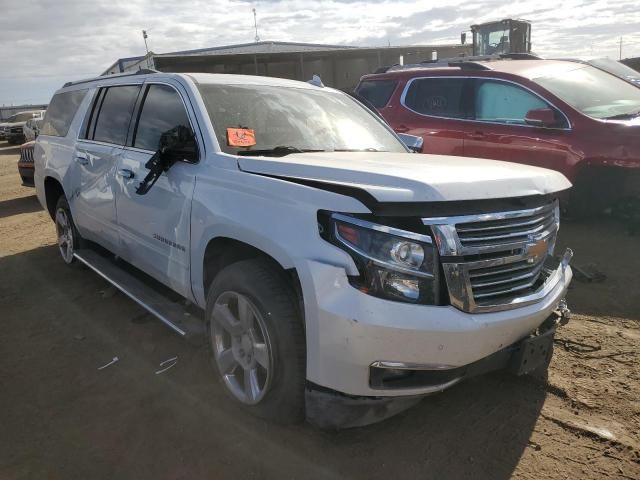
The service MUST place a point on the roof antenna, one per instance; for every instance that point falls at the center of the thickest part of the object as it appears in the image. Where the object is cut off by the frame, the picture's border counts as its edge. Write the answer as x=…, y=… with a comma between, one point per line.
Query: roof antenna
x=146, y=47
x=255, y=25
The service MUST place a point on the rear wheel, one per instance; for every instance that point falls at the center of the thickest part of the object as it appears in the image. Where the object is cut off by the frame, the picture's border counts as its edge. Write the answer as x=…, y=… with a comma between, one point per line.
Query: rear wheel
x=256, y=339
x=68, y=237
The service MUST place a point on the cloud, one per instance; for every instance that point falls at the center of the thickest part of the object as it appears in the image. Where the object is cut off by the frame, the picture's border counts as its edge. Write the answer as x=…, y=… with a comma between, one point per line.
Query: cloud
x=46, y=42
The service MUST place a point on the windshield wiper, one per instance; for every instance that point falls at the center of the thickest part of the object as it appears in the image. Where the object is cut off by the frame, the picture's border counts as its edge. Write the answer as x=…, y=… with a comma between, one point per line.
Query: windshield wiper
x=623, y=116
x=356, y=150
x=279, y=151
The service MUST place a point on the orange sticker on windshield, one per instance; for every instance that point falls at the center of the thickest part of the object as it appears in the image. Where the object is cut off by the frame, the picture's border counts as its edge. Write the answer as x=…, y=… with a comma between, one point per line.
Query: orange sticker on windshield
x=241, y=137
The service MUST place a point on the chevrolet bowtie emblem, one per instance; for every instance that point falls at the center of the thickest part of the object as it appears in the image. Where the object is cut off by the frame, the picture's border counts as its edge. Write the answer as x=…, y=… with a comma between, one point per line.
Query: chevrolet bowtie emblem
x=537, y=250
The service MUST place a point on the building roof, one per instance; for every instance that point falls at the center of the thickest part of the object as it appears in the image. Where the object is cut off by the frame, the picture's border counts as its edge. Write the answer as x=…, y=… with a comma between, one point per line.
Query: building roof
x=260, y=47
x=122, y=64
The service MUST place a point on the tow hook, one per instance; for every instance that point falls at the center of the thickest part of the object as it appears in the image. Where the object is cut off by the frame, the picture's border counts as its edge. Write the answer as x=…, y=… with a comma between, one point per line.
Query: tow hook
x=563, y=313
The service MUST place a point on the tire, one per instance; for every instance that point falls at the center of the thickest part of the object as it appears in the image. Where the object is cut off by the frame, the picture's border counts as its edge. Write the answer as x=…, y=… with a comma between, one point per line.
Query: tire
x=260, y=360
x=65, y=227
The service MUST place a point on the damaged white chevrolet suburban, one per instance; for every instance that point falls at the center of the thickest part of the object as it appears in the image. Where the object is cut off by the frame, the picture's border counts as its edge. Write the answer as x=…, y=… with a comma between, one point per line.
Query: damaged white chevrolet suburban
x=342, y=278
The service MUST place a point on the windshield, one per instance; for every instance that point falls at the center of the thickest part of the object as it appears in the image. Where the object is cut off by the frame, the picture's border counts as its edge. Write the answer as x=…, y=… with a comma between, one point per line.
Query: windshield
x=616, y=68
x=594, y=92
x=293, y=119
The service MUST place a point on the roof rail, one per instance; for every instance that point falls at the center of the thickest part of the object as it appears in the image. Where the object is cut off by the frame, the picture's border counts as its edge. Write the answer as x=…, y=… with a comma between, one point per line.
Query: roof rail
x=142, y=71
x=521, y=56
x=468, y=63
x=461, y=64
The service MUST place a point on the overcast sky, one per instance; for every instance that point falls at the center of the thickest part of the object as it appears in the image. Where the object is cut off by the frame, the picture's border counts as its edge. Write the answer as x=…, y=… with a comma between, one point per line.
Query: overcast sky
x=44, y=43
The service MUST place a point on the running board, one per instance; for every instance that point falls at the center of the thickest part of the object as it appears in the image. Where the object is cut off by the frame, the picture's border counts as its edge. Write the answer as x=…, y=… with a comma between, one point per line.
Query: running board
x=170, y=313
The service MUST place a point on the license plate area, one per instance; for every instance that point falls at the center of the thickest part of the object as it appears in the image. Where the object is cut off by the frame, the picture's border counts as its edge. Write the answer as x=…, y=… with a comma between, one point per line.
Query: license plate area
x=532, y=353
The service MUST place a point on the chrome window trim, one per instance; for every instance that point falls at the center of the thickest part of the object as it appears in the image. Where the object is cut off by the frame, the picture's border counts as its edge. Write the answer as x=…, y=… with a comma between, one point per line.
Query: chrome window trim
x=98, y=87
x=408, y=84
x=136, y=149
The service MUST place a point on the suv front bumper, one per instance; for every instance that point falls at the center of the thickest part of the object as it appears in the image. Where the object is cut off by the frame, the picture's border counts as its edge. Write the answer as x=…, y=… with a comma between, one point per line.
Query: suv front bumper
x=348, y=332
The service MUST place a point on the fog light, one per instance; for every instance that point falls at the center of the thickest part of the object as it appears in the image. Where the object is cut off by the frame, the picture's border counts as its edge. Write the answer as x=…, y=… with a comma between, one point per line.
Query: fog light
x=399, y=285
x=391, y=374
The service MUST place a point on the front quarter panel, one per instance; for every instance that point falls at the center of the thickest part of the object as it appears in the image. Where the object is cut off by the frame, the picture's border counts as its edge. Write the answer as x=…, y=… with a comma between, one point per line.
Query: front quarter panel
x=275, y=216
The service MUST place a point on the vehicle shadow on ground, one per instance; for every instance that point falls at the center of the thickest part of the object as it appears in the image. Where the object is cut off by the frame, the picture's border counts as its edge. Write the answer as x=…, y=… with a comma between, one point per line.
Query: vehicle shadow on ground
x=477, y=430
x=605, y=250
x=126, y=421
x=17, y=206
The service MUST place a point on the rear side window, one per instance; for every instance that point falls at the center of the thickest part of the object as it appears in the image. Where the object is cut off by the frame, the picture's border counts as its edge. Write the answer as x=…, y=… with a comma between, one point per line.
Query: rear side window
x=377, y=92
x=112, y=114
x=162, y=111
x=440, y=97
x=503, y=102
x=60, y=113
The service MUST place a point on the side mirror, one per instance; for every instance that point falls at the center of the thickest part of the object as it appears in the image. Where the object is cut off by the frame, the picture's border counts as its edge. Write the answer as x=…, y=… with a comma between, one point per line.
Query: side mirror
x=540, y=117
x=178, y=144
x=175, y=145
x=412, y=142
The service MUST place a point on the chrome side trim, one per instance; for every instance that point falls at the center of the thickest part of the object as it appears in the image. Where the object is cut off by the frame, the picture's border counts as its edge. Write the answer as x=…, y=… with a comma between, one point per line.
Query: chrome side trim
x=483, y=217
x=411, y=366
x=414, y=366
x=383, y=228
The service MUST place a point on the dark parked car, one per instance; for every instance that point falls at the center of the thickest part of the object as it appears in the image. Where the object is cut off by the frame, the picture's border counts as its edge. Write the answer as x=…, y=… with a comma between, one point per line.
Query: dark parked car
x=25, y=163
x=13, y=128
x=564, y=115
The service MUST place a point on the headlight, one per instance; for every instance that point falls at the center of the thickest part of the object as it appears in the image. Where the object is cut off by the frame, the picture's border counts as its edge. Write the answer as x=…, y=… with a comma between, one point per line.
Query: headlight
x=393, y=263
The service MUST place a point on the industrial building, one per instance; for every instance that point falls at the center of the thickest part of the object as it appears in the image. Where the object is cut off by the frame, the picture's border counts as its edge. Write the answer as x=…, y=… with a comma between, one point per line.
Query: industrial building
x=339, y=66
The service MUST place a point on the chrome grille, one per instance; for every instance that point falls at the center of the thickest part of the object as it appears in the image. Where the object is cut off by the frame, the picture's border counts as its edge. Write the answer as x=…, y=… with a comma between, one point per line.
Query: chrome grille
x=496, y=261
x=26, y=155
x=506, y=231
x=489, y=284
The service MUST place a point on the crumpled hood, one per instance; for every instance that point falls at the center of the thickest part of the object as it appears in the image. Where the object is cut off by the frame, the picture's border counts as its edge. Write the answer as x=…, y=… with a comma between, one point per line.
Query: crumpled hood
x=409, y=177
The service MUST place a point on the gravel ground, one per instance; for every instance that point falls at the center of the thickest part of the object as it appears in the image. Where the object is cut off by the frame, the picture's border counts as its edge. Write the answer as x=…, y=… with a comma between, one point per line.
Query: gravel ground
x=62, y=418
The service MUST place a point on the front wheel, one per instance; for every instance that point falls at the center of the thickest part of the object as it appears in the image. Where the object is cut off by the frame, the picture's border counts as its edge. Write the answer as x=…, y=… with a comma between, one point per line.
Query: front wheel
x=68, y=237
x=256, y=339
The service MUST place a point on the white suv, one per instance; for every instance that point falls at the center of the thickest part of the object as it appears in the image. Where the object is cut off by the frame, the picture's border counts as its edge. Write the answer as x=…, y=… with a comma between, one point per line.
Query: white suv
x=339, y=274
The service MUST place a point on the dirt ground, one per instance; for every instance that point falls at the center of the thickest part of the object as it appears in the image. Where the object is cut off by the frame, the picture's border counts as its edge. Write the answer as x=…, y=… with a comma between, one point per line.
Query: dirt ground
x=62, y=418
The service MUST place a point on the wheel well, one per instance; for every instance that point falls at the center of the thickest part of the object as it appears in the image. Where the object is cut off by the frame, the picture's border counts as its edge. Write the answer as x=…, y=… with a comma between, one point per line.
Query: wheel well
x=597, y=188
x=222, y=252
x=52, y=190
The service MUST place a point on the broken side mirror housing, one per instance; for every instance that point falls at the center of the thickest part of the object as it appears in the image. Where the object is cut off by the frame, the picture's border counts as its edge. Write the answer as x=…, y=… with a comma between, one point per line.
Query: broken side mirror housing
x=540, y=117
x=412, y=142
x=178, y=144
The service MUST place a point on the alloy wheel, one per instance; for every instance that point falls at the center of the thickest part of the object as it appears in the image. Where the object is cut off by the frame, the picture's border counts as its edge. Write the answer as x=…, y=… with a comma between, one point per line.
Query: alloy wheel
x=65, y=235
x=241, y=347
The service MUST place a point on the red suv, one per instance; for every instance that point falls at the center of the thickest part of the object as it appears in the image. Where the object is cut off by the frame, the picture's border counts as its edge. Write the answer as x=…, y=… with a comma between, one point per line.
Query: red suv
x=563, y=115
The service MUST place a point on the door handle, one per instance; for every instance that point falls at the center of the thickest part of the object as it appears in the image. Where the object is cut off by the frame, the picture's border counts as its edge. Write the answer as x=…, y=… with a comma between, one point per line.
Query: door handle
x=401, y=129
x=82, y=160
x=477, y=136
x=126, y=173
